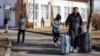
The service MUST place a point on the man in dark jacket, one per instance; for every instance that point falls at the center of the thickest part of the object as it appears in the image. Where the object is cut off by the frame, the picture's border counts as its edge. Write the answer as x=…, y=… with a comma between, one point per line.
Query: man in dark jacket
x=42, y=22
x=75, y=21
x=22, y=28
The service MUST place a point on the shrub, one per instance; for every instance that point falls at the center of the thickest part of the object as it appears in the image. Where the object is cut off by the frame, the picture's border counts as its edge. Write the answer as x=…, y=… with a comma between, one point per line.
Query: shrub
x=96, y=21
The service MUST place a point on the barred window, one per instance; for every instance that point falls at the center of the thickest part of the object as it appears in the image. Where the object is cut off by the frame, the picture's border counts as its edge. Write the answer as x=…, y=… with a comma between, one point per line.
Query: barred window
x=83, y=13
x=66, y=12
x=57, y=10
x=45, y=11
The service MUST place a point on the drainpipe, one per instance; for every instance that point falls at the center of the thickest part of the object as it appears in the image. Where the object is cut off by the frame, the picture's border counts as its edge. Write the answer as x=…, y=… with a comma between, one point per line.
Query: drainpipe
x=33, y=12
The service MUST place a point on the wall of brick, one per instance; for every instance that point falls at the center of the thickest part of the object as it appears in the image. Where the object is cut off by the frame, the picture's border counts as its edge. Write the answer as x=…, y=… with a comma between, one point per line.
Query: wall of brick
x=20, y=9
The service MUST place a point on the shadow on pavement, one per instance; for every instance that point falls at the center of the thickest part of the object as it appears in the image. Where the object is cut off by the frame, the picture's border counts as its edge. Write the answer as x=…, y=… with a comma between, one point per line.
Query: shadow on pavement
x=44, y=49
x=37, y=47
x=96, y=47
x=34, y=45
x=36, y=32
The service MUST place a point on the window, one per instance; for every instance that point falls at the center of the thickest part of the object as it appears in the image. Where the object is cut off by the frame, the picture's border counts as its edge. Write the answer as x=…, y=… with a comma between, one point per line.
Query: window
x=35, y=15
x=36, y=12
x=66, y=12
x=45, y=12
x=31, y=6
x=83, y=13
x=30, y=12
x=57, y=10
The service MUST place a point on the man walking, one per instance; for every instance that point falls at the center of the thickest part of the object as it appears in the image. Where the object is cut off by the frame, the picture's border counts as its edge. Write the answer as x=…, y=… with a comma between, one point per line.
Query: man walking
x=75, y=21
x=22, y=27
x=6, y=24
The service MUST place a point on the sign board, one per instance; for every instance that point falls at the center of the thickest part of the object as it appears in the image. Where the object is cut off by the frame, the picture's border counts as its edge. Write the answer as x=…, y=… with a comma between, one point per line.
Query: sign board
x=7, y=6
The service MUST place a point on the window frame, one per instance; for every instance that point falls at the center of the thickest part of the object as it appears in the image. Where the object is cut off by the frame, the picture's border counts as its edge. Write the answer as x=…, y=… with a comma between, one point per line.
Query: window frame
x=83, y=12
x=58, y=11
x=66, y=12
x=45, y=11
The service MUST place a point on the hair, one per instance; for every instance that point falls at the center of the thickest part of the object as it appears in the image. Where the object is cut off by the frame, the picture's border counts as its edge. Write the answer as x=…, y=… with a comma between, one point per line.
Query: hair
x=58, y=17
x=5, y=16
x=75, y=8
x=21, y=16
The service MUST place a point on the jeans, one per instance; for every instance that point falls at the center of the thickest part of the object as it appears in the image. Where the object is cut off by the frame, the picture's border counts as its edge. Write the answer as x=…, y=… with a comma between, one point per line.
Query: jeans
x=56, y=36
x=23, y=35
x=6, y=27
x=74, y=38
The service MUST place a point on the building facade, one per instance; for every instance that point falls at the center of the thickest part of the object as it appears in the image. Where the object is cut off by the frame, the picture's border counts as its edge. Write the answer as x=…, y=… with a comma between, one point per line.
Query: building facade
x=46, y=9
x=7, y=9
x=21, y=9
x=49, y=9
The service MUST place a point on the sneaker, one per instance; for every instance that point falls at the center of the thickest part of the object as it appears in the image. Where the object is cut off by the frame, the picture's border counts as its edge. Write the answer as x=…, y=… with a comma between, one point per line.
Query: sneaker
x=75, y=51
x=6, y=32
x=71, y=49
x=58, y=42
x=55, y=44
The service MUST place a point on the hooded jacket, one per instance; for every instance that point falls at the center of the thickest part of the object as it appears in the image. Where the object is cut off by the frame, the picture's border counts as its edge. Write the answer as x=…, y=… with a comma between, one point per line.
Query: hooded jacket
x=74, y=21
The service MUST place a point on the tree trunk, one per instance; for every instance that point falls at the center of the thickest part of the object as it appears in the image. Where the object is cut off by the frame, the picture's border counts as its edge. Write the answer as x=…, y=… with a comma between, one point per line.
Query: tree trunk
x=89, y=25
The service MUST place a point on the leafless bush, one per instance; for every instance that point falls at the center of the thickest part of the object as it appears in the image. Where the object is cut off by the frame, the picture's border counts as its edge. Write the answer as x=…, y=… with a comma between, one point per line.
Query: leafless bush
x=96, y=21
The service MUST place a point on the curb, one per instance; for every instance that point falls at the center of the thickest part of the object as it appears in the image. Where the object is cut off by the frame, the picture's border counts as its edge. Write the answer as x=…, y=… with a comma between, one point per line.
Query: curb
x=8, y=51
x=35, y=32
x=39, y=33
x=50, y=34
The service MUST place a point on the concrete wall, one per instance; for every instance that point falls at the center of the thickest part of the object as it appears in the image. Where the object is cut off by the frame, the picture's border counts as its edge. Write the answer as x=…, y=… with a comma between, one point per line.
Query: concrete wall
x=12, y=14
x=1, y=13
x=21, y=9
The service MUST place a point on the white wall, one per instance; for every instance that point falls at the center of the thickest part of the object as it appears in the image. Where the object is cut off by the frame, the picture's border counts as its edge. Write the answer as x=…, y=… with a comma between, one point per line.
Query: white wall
x=62, y=4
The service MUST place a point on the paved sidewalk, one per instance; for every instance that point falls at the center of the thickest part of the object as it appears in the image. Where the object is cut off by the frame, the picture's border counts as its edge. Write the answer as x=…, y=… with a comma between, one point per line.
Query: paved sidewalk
x=3, y=44
x=39, y=45
x=48, y=31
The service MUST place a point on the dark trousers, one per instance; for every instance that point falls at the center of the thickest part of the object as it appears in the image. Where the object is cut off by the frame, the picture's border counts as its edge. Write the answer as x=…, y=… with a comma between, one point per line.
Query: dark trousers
x=42, y=24
x=74, y=38
x=55, y=36
x=23, y=35
x=76, y=42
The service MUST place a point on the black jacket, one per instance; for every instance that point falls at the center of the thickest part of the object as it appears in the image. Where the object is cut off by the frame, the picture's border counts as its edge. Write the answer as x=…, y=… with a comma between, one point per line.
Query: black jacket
x=74, y=21
x=6, y=21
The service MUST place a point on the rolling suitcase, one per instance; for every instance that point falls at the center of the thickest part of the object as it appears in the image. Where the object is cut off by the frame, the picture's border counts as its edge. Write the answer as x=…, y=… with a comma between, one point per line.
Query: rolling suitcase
x=65, y=44
x=85, y=42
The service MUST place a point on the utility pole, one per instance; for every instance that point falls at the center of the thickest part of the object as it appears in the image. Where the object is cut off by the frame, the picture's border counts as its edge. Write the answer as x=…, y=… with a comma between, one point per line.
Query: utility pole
x=51, y=12
x=22, y=7
x=89, y=24
x=33, y=12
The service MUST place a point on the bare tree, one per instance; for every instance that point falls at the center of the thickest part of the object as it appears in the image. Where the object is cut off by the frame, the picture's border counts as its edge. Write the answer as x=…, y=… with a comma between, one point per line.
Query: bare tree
x=89, y=24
